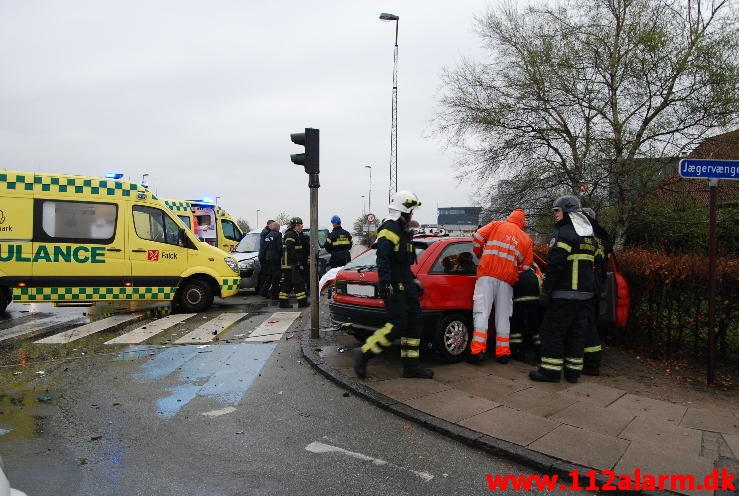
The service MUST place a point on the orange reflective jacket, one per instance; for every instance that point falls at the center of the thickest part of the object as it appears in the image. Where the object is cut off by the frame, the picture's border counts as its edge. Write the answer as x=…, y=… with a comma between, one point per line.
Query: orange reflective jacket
x=503, y=248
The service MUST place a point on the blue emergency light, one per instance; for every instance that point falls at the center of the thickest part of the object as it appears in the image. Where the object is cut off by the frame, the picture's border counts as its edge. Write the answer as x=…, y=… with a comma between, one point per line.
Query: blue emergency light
x=207, y=200
x=114, y=175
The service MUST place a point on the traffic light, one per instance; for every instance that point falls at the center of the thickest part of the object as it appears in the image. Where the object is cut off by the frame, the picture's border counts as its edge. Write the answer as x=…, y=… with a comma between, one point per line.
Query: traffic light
x=309, y=159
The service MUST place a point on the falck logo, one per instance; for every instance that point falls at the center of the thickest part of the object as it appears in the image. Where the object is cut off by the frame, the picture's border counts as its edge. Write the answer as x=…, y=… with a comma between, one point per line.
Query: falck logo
x=152, y=255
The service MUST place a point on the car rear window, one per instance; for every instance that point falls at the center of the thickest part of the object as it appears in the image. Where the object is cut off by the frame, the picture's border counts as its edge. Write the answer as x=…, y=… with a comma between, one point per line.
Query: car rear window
x=457, y=258
x=368, y=260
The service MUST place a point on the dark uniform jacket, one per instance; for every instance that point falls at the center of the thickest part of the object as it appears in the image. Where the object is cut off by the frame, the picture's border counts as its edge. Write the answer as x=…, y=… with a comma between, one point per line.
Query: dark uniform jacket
x=601, y=254
x=569, y=273
x=338, y=243
x=272, y=246
x=263, y=235
x=395, y=253
x=527, y=287
x=292, y=250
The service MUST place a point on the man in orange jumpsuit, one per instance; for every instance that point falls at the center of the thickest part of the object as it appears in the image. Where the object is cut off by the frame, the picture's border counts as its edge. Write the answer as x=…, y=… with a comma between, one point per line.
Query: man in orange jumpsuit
x=504, y=250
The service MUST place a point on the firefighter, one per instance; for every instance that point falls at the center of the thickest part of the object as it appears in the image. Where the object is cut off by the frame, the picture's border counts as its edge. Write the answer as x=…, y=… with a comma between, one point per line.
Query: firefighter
x=272, y=255
x=338, y=243
x=567, y=292
x=292, y=265
x=504, y=250
x=265, y=274
x=526, y=317
x=593, y=349
x=399, y=290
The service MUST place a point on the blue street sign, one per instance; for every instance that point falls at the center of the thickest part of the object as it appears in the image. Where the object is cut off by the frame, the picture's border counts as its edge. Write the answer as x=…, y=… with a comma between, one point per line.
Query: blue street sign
x=709, y=169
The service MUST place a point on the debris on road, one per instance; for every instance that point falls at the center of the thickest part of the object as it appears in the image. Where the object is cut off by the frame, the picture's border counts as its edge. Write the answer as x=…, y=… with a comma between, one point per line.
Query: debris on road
x=96, y=438
x=40, y=372
x=44, y=398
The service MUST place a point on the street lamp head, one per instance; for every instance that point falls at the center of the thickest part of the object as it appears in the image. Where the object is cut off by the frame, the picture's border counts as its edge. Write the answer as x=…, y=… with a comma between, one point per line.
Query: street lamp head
x=367, y=166
x=388, y=17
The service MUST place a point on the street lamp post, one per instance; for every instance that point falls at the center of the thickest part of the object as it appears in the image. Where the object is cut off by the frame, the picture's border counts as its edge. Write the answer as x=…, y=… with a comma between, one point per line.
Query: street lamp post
x=217, y=198
x=394, y=110
x=257, y=226
x=369, y=207
x=143, y=181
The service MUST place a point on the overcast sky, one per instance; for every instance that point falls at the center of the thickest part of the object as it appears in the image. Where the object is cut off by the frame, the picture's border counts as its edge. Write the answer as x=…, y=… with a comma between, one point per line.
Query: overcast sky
x=202, y=96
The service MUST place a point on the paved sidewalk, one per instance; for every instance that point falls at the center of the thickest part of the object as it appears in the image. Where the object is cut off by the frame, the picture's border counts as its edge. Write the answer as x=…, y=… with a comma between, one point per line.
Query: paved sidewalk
x=551, y=427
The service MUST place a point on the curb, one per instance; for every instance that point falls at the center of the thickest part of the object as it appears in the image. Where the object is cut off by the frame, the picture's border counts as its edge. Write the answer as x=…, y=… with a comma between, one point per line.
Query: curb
x=519, y=454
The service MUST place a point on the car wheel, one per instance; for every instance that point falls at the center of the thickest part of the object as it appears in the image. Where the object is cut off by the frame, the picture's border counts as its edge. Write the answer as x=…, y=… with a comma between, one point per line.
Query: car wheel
x=195, y=295
x=5, y=299
x=452, y=338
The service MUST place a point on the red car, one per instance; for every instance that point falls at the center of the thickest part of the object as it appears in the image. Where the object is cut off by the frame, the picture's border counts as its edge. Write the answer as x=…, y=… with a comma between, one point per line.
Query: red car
x=446, y=267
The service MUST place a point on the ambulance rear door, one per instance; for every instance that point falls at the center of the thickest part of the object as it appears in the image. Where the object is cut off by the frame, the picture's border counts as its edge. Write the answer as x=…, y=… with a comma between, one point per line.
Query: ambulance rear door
x=16, y=228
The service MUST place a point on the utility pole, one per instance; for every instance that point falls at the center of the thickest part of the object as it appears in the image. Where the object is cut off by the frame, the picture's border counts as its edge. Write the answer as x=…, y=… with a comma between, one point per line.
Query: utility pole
x=393, y=188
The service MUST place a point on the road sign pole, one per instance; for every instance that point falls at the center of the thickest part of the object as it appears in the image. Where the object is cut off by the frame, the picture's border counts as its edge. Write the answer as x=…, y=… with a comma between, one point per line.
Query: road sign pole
x=711, y=365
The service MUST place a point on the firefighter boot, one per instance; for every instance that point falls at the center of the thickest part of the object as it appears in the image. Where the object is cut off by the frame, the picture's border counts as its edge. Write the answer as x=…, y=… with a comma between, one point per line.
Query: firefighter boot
x=303, y=303
x=417, y=372
x=475, y=358
x=285, y=304
x=360, y=363
x=538, y=375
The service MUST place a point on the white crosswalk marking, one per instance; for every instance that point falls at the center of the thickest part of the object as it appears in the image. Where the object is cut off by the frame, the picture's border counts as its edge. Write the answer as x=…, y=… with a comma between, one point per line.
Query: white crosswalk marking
x=273, y=328
x=36, y=325
x=87, y=329
x=205, y=333
x=149, y=330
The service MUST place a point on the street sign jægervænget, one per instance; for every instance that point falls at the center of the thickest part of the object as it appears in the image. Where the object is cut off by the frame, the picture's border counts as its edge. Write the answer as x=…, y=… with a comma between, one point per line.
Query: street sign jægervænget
x=709, y=169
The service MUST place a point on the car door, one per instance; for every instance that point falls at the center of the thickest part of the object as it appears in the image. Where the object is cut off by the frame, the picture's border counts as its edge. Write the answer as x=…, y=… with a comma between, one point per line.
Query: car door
x=450, y=280
x=231, y=235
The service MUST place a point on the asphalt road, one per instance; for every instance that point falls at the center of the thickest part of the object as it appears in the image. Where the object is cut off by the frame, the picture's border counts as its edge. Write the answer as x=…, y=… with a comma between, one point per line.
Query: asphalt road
x=233, y=418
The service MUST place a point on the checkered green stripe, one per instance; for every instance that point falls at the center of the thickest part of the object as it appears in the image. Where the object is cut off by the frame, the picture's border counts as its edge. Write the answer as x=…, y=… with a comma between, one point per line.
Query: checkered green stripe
x=93, y=294
x=230, y=283
x=178, y=206
x=42, y=183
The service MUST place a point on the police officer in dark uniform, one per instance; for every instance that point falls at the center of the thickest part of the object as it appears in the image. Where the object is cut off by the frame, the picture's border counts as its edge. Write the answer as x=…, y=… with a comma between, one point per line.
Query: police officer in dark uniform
x=526, y=317
x=292, y=265
x=399, y=290
x=272, y=255
x=265, y=275
x=338, y=244
x=305, y=268
x=567, y=291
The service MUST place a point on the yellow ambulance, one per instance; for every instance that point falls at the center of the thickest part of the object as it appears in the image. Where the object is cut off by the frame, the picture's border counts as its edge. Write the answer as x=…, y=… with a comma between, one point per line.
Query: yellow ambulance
x=214, y=225
x=72, y=238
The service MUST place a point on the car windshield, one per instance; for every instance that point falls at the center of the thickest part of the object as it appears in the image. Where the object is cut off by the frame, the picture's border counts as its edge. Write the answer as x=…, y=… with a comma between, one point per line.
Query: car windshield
x=367, y=261
x=248, y=243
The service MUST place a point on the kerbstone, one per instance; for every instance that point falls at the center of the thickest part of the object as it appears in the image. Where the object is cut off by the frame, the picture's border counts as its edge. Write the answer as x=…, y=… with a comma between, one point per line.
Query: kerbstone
x=594, y=418
x=583, y=447
x=510, y=425
x=452, y=405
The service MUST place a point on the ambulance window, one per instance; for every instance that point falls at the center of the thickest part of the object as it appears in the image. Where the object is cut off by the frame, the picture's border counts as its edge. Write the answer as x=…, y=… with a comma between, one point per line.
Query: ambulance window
x=155, y=225
x=185, y=220
x=230, y=231
x=82, y=222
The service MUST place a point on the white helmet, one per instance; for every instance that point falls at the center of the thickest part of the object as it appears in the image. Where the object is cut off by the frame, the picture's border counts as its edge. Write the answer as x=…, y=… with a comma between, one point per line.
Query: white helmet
x=403, y=202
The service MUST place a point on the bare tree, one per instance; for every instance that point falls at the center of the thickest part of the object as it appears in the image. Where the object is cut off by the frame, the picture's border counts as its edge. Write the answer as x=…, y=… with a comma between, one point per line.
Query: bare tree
x=588, y=97
x=283, y=218
x=243, y=225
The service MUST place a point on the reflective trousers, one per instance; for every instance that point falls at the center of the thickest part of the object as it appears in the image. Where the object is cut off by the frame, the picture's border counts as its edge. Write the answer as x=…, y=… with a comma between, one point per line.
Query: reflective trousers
x=562, y=332
x=403, y=314
x=292, y=280
x=490, y=291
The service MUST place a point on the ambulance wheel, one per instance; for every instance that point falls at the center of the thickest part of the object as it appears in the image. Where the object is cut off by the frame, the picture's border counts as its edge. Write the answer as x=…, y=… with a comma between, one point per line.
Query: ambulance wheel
x=451, y=340
x=5, y=299
x=195, y=295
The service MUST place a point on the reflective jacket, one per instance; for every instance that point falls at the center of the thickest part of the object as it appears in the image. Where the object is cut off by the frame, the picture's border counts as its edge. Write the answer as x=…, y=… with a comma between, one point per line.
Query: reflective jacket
x=503, y=248
x=395, y=253
x=292, y=250
x=528, y=286
x=338, y=243
x=570, y=264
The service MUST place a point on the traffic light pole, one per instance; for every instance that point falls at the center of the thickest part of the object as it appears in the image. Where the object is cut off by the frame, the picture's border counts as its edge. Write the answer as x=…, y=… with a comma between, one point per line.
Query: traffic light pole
x=313, y=185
